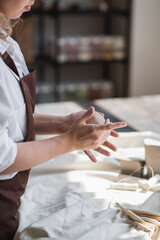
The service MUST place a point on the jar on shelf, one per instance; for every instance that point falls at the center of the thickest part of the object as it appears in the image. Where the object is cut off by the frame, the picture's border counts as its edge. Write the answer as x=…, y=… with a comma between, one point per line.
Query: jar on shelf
x=96, y=49
x=107, y=43
x=119, y=47
x=119, y=55
x=119, y=42
x=84, y=51
x=94, y=91
x=62, y=50
x=73, y=48
x=107, y=89
x=81, y=92
x=107, y=48
x=109, y=55
x=100, y=88
x=70, y=91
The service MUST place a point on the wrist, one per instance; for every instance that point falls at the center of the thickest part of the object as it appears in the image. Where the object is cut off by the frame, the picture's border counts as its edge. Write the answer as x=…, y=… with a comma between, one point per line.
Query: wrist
x=62, y=124
x=66, y=142
x=67, y=122
x=59, y=125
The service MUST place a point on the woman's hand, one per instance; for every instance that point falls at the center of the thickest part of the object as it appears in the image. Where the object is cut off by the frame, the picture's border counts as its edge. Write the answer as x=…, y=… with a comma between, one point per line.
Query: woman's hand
x=106, y=144
x=72, y=117
x=91, y=136
x=101, y=150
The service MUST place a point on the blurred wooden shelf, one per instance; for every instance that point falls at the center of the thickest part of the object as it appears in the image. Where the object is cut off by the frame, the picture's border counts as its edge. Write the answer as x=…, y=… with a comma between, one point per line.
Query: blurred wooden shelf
x=42, y=61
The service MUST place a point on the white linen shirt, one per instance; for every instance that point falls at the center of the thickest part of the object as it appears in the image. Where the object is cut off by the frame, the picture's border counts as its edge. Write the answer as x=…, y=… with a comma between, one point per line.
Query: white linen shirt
x=13, y=117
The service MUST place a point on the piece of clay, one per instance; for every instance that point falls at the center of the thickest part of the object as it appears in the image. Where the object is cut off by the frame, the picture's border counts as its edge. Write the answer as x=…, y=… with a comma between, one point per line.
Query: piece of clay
x=96, y=119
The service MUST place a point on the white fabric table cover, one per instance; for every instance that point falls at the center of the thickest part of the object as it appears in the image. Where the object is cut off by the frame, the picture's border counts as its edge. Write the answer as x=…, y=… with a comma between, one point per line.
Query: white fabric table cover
x=68, y=198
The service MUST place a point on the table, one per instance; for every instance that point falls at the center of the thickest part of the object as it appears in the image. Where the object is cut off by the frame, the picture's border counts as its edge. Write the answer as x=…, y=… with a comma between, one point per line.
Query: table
x=141, y=113
x=69, y=197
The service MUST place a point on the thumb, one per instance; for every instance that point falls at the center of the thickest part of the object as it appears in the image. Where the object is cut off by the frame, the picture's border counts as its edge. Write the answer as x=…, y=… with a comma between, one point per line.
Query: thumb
x=88, y=114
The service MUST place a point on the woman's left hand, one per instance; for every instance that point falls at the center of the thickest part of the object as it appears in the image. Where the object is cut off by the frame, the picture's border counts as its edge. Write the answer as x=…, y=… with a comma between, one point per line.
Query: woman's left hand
x=102, y=150
x=72, y=117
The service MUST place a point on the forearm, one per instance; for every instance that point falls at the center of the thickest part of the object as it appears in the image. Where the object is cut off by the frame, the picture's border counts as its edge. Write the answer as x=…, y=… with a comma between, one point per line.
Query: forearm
x=49, y=124
x=80, y=136
x=30, y=154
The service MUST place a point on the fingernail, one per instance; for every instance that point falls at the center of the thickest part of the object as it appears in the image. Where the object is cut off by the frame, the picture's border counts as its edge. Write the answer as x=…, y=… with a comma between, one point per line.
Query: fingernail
x=115, y=149
x=92, y=108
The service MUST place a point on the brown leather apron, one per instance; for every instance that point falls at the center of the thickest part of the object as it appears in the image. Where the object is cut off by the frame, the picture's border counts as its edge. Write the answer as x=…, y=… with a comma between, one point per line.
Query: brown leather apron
x=11, y=190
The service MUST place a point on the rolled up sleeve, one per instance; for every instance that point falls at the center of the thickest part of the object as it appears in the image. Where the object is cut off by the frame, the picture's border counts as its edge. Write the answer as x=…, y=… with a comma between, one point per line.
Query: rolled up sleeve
x=8, y=150
x=8, y=147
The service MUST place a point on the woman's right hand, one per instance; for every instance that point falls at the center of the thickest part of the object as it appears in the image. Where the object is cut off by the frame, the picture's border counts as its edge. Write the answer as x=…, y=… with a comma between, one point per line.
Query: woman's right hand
x=85, y=136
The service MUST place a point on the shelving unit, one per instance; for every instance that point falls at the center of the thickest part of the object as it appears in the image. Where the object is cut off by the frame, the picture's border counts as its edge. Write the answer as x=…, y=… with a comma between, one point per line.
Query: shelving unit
x=41, y=60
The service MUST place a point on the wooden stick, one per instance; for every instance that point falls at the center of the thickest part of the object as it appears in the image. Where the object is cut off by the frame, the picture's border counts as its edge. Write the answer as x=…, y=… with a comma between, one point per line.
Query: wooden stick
x=146, y=213
x=148, y=224
x=132, y=215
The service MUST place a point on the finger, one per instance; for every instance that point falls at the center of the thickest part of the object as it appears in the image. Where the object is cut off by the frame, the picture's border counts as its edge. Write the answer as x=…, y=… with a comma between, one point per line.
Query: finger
x=116, y=125
x=114, y=134
x=103, y=151
x=88, y=114
x=107, y=121
x=110, y=126
x=90, y=155
x=110, y=146
x=102, y=114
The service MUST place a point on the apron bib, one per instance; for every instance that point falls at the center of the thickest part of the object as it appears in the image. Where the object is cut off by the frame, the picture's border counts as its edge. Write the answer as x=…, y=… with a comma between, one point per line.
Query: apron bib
x=11, y=190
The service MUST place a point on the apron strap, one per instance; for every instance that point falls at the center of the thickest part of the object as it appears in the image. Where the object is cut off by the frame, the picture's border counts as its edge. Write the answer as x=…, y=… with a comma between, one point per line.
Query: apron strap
x=10, y=63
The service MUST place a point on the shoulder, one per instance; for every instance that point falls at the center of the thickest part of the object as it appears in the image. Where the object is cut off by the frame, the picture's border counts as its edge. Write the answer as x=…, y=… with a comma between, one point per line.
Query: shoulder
x=13, y=47
x=15, y=51
x=13, y=42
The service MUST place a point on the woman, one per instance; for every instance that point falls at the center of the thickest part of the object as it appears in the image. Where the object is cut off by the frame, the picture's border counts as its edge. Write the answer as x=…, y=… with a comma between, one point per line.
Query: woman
x=18, y=124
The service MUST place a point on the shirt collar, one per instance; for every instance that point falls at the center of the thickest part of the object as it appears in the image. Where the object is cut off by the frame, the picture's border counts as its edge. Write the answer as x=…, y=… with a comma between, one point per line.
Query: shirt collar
x=6, y=46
